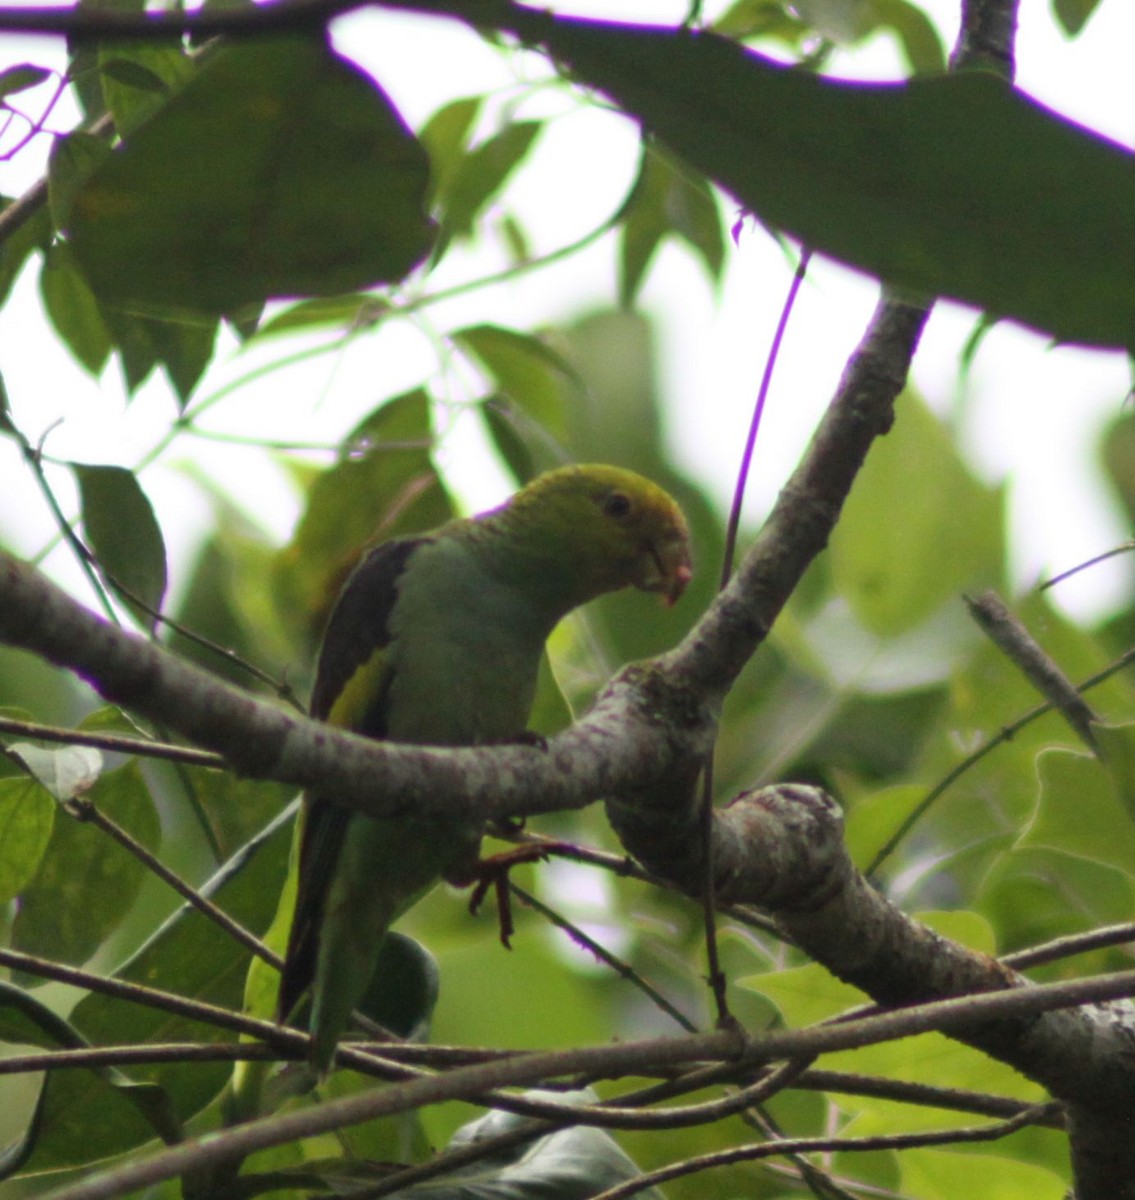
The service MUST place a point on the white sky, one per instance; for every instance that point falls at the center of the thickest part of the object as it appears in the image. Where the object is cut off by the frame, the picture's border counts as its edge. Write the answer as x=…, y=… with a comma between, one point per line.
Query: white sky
x=1031, y=414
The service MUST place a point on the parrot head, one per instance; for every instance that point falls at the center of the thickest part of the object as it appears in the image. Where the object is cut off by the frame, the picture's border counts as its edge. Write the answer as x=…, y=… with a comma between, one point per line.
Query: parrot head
x=615, y=527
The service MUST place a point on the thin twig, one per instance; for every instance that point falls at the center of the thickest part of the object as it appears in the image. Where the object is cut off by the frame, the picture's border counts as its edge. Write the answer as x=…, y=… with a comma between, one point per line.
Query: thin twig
x=83, y=809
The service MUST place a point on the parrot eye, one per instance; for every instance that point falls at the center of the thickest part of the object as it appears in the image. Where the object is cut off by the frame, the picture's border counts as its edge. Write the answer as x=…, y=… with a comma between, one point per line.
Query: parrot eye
x=617, y=504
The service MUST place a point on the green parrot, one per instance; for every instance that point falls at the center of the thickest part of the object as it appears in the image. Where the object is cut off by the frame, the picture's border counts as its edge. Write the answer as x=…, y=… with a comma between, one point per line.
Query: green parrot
x=436, y=640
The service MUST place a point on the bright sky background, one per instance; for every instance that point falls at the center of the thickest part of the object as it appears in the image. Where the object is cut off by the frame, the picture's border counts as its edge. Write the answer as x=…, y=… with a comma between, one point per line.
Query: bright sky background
x=1029, y=413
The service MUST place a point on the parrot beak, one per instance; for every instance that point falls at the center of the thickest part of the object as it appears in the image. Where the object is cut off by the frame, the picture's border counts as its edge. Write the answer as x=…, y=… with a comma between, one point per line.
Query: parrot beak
x=667, y=568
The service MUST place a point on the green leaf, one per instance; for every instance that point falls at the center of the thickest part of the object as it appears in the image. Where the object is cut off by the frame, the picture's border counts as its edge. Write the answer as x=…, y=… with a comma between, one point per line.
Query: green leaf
x=73, y=159
x=1078, y=813
x=277, y=170
x=404, y=989
x=27, y=815
x=445, y=136
x=668, y=200
x=481, y=175
x=917, y=35
x=124, y=534
x=21, y=77
x=33, y=234
x=896, y=568
x=73, y=309
x=190, y=956
x=888, y=178
x=945, y=1175
x=525, y=369
x=138, y=78
x=352, y=313
x=384, y=485
x=23, y=1019
x=567, y=1164
x=1074, y=14
x=87, y=882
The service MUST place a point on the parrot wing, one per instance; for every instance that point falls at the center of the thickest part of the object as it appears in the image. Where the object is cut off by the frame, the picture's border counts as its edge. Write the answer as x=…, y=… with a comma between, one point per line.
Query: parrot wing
x=351, y=684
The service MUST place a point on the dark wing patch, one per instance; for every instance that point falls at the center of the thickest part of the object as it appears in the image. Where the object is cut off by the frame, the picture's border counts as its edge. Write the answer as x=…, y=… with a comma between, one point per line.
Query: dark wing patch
x=357, y=631
x=359, y=623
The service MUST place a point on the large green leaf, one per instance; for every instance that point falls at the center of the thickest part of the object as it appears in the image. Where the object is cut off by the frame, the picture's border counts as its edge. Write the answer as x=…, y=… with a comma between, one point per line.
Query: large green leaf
x=123, y=533
x=896, y=563
x=87, y=882
x=957, y=186
x=278, y=170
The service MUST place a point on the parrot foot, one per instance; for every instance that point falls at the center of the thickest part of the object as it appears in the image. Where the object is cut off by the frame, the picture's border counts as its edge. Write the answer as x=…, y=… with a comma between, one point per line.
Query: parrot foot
x=492, y=873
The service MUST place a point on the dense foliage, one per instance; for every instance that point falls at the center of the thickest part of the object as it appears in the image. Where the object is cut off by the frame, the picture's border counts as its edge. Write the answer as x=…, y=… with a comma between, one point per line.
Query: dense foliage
x=261, y=201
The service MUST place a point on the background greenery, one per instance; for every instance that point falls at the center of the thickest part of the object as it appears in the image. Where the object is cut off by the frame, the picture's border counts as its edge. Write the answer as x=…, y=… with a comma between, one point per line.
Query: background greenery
x=874, y=684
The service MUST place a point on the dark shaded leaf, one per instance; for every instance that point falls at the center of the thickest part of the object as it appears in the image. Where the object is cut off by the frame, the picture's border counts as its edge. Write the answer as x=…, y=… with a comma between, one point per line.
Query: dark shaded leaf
x=404, y=987
x=278, y=170
x=123, y=533
x=567, y=1164
x=73, y=309
x=72, y=160
x=24, y=1020
x=138, y=78
x=921, y=45
x=956, y=186
x=1074, y=14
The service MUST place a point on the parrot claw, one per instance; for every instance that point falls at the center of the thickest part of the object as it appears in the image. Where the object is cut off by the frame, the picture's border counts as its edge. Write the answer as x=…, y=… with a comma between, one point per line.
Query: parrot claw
x=492, y=873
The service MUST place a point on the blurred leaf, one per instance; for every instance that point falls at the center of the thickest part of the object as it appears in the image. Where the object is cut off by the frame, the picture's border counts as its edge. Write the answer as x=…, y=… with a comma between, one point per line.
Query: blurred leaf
x=765, y=19
x=64, y=772
x=73, y=159
x=1117, y=754
x=567, y=1164
x=353, y=312
x=445, y=136
x=668, y=200
x=897, y=568
x=916, y=33
x=124, y=535
x=1073, y=14
x=34, y=234
x=887, y=177
x=277, y=170
x=464, y=190
x=945, y=1175
x=27, y=814
x=529, y=374
x=87, y=882
x=384, y=485
x=1078, y=813
x=138, y=78
x=73, y=309
x=21, y=77
x=23, y=1019
x=404, y=989
x=1034, y=895
x=183, y=347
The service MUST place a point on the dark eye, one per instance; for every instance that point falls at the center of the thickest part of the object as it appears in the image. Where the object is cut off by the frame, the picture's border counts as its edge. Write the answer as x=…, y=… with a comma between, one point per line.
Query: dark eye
x=617, y=504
